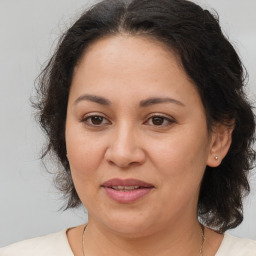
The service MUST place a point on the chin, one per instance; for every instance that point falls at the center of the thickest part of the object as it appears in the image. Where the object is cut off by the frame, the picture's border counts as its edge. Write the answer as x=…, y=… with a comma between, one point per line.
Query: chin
x=130, y=227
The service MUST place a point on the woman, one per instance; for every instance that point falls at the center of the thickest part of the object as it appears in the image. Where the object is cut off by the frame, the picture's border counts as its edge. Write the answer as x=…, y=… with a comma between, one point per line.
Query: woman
x=143, y=105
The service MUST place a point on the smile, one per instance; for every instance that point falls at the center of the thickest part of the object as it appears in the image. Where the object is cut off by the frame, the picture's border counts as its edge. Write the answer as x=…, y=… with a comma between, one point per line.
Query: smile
x=125, y=188
x=126, y=191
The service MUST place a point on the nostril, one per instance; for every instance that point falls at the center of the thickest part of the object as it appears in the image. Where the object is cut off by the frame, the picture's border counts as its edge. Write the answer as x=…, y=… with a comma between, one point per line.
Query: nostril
x=124, y=156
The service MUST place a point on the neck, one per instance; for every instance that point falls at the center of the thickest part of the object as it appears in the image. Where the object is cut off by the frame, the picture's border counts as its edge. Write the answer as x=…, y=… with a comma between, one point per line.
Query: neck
x=177, y=239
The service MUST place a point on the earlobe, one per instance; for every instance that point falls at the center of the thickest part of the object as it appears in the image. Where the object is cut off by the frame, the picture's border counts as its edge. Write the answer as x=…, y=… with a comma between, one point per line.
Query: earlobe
x=220, y=143
x=216, y=158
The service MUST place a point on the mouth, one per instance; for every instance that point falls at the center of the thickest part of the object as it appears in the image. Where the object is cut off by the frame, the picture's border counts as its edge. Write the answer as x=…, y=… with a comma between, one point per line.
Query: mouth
x=125, y=188
x=126, y=191
x=126, y=183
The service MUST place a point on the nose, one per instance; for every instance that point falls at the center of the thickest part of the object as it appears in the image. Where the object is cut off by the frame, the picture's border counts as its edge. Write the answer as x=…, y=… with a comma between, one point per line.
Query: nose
x=124, y=148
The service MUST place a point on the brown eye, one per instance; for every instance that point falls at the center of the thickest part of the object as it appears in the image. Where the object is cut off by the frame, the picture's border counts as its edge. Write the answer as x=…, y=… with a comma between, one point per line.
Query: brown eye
x=96, y=120
x=157, y=120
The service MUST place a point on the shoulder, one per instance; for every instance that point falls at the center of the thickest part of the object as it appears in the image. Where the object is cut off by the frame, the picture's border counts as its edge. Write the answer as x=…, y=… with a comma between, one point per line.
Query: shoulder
x=235, y=246
x=52, y=244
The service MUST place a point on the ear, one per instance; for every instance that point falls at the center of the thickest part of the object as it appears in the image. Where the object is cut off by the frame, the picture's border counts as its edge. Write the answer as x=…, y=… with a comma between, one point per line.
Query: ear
x=221, y=139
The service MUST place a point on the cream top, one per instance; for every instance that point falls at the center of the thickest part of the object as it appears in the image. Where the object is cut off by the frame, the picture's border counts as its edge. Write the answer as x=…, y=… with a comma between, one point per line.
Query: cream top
x=57, y=244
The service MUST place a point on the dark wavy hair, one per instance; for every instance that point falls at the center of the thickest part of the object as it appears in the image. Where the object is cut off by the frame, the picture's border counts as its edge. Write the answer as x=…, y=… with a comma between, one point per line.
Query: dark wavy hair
x=209, y=60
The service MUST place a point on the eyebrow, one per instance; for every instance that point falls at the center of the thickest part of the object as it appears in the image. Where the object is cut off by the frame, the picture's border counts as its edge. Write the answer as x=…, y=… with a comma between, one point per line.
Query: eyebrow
x=152, y=101
x=144, y=103
x=93, y=98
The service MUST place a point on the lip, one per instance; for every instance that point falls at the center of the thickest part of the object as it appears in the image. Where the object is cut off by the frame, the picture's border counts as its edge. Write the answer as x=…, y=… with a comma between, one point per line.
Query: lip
x=128, y=196
x=126, y=182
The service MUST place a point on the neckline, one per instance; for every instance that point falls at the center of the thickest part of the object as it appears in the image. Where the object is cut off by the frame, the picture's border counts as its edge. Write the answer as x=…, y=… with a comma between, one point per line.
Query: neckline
x=218, y=253
x=65, y=237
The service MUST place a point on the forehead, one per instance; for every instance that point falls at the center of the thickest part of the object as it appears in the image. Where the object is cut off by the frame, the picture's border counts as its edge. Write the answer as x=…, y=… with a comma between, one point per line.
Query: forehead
x=127, y=51
x=129, y=64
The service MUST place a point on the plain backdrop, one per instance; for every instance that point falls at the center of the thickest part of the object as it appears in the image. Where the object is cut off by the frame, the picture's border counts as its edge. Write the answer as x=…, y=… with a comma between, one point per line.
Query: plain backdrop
x=29, y=29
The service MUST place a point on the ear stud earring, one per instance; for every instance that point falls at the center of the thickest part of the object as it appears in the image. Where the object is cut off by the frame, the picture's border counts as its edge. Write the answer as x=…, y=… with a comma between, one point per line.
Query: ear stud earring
x=216, y=158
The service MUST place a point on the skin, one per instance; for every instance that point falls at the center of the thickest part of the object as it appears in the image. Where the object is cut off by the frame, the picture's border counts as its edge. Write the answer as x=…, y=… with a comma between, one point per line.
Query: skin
x=170, y=152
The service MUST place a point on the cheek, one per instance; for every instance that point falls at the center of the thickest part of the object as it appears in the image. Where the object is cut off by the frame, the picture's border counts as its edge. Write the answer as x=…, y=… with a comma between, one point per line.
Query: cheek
x=184, y=154
x=84, y=153
x=84, y=158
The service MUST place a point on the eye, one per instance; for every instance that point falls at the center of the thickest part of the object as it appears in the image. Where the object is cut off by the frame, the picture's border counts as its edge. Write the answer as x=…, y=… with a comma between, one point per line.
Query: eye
x=159, y=120
x=95, y=120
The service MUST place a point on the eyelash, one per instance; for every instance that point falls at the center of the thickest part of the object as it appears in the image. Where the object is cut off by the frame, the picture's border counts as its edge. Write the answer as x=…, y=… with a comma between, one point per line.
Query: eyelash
x=165, y=119
x=89, y=117
x=168, y=119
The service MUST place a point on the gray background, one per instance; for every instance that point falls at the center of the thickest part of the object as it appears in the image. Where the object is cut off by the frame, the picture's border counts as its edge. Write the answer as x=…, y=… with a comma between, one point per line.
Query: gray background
x=29, y=30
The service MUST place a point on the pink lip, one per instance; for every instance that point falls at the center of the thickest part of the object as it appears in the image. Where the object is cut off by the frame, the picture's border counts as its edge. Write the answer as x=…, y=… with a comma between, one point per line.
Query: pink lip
x=126, y=196
x=126, y=182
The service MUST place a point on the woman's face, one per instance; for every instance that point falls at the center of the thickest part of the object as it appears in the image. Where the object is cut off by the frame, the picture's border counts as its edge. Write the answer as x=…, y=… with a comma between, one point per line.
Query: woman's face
x=136, y=135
